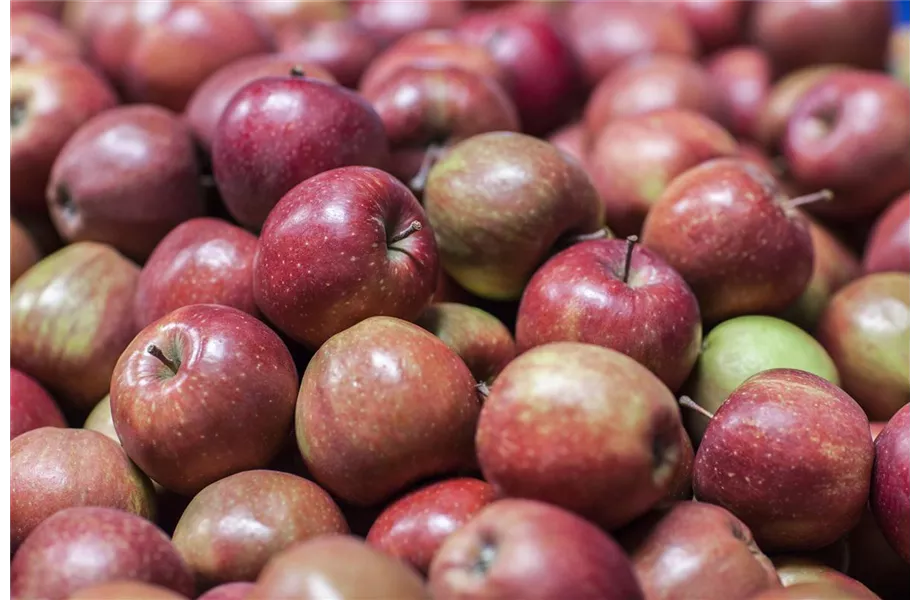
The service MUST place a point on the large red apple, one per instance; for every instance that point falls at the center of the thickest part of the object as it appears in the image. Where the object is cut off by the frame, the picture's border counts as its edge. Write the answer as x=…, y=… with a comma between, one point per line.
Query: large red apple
x=31, y=406
x=888, y=248
x=891, y=482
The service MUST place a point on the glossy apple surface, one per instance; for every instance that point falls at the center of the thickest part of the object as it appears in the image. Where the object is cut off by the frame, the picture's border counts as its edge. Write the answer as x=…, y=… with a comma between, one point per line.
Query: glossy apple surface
x=888, y=248
x=31, y=406
x=890, y=498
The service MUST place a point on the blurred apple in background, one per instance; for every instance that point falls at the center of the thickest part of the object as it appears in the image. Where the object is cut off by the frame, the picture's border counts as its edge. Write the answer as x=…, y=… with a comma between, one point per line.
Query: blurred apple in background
x=36, y=38
x=343, y=48
x=390, y=20
x=742, y=75
x=888, y=248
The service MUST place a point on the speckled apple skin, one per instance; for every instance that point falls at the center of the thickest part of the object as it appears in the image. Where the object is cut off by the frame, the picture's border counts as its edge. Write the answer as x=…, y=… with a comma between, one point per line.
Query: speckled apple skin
x=279, y=131
x=866, y=330
x=888, y=248
x=52, y=469
x=790, y=454
x=742, y=76
x=70, y=319
x=129, y=176
x=499, y=202
x=229, y=408
x=579, y=296
x=234, y=526
x=414, y=527
x=81, y=547
x=36, y=38
x=890, y=497
x=238, y=590
x=577, y=425
x=31, y=406
x=341, y=47
x=325, y=261
x=382, y=405
x=635, y=158
x=202, y=261
x=480, y=339
x=722, y=225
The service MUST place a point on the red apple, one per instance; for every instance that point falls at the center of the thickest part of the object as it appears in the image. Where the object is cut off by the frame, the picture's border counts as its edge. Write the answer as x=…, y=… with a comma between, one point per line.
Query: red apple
x=716, y=23
x=52, y=469
x=48, y=102
x=238, y=590
x=790, y=454
x=48, y=8
x=742, y=76
x=31, y=406
x=23, y=251
x=891, y=482
x=234, y=526
x=205, y=392
x=571, y=139
x=284, y=15
x=81, y=547
x=120, y=590
x=202, y=261
x=527, y=549
x=888, y=248
x=390, y=20
x=37, y=38
x=343, y=48
x=416, y=525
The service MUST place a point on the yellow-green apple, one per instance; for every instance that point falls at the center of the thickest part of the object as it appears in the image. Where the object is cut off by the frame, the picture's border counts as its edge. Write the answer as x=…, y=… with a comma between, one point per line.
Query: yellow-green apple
x=37, y=38
x=24, y=251
x=518, y=548
x=100, y=420
x=890, y=497
x=888, y=248
x=31, y=406
x=344, y=48
x=790, y=454
x=742, y=76
x=823, y=590
x=204, y=392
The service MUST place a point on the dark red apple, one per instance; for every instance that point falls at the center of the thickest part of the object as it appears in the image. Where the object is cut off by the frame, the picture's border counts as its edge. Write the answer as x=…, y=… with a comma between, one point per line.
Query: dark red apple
x=734, y=236
x=890, y=498
x=279, y=131
x=415, y=526
x=888, y=248
x=205, y=392
x=23, y=250
x=571, y=139
x=48, y=102
x=716, y=23
x=31, y=406
x=789, y=454
x=37, y=38
x=202, y=261
x=526, y=549
x=742, y=75
x=234, y=526
x=238, y=590
x=120, y=590
x=52, y=469
x=81, y=547
x=388, y=21
x=344, y=48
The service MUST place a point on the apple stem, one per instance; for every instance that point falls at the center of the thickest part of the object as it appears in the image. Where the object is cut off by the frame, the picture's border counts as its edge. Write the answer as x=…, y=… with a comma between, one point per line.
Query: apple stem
x=155, y=352
x=432, y=154
x=412, y=228
x=809, y=198
x=483, y=388
x=297, y=71
x=686, y=402
x=630, y=244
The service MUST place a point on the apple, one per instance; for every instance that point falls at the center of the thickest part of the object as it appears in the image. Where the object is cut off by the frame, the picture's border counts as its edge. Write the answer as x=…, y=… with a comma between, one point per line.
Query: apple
x=343, y=48
x=572, y=424
x=866, y=330
x=382, y=405
x=342, y=246
x=202, y=261
x=238, y=590
x=824, y=590
x=23, y=251
x=48, y=102
x=597, y=292
x=100, y=192
x=70, y=319
x=52, y=469
x=279, y=131
x=605, y=35
x=337, y=567
x=40, y=229
x=527, y=549
x=890, y=497
x=415, y=526
x=100, y=420
x=571, y=139
x=698, y=550
x=790, y=454
x=119, y=590
x=37, y=38
x=499, y=202
x=234, y=526
x=285, y=15
x=31, y=406
x=716, y=23
x=76, y=548
x=742, y=347
x=888, y=248
x=204, y=392
x=48, y=8
x=796, y=571
x=388, y=21
x=742, y=76
x=633, y=159
x=740, y=243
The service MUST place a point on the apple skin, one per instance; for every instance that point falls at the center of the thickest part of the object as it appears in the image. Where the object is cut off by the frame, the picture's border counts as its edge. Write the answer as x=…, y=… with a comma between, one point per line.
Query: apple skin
x=742, y=75
x=890, y=499
x=797, y=571
x=37, y=38
x=85, y=546
x=207, y=104
x=571, y=139
x=633, y=159
x=48, y=103
x=52, y=469
x=866, y=330
x=100, y=420
x=202, y=261
x=580, y=295
x=101, y=192
x=849, y=133
x=31, y=406
x=389, y=21
x=888, y=248
x=724, y=226
x=356, y=266
x=258, y=156
x=526, y=549
x=415, y=526
x=70, y=319
x=342, y=48
x=716, y=23
x=480, y=339
x=238, y=590
x=281, y=16
x=805, y=452
x=697, y=550
x=382, y=405
x=499, y=202
x=23, y=250
x=571, y=423
x=51, y=9
x=824, y=590
x=681, y=486
x=175, y=423
x=234, y=526
x=119, y=590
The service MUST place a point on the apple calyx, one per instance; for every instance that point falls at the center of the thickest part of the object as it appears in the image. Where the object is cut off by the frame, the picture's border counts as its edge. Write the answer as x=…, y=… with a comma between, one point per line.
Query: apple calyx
x=484, y=559
x=821, y=196
x=297, y=71
x=18, y=112
x=630, y=244
x=432, y=155
x=412, y=228
x=154, y=351
x=482, y=388
x=64, y=200
x=686, y=402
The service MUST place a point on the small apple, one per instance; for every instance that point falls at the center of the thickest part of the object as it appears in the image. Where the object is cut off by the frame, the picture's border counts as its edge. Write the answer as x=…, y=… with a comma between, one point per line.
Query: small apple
x=343, y=48
x=888, y=248
x=742, y=75
x=890, y=499
x=37, y=38
x=31, y=406
x=23, y=250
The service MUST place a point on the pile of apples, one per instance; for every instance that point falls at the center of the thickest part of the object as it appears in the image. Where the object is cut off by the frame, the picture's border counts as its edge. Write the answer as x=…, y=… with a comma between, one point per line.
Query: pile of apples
x=451, y=299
